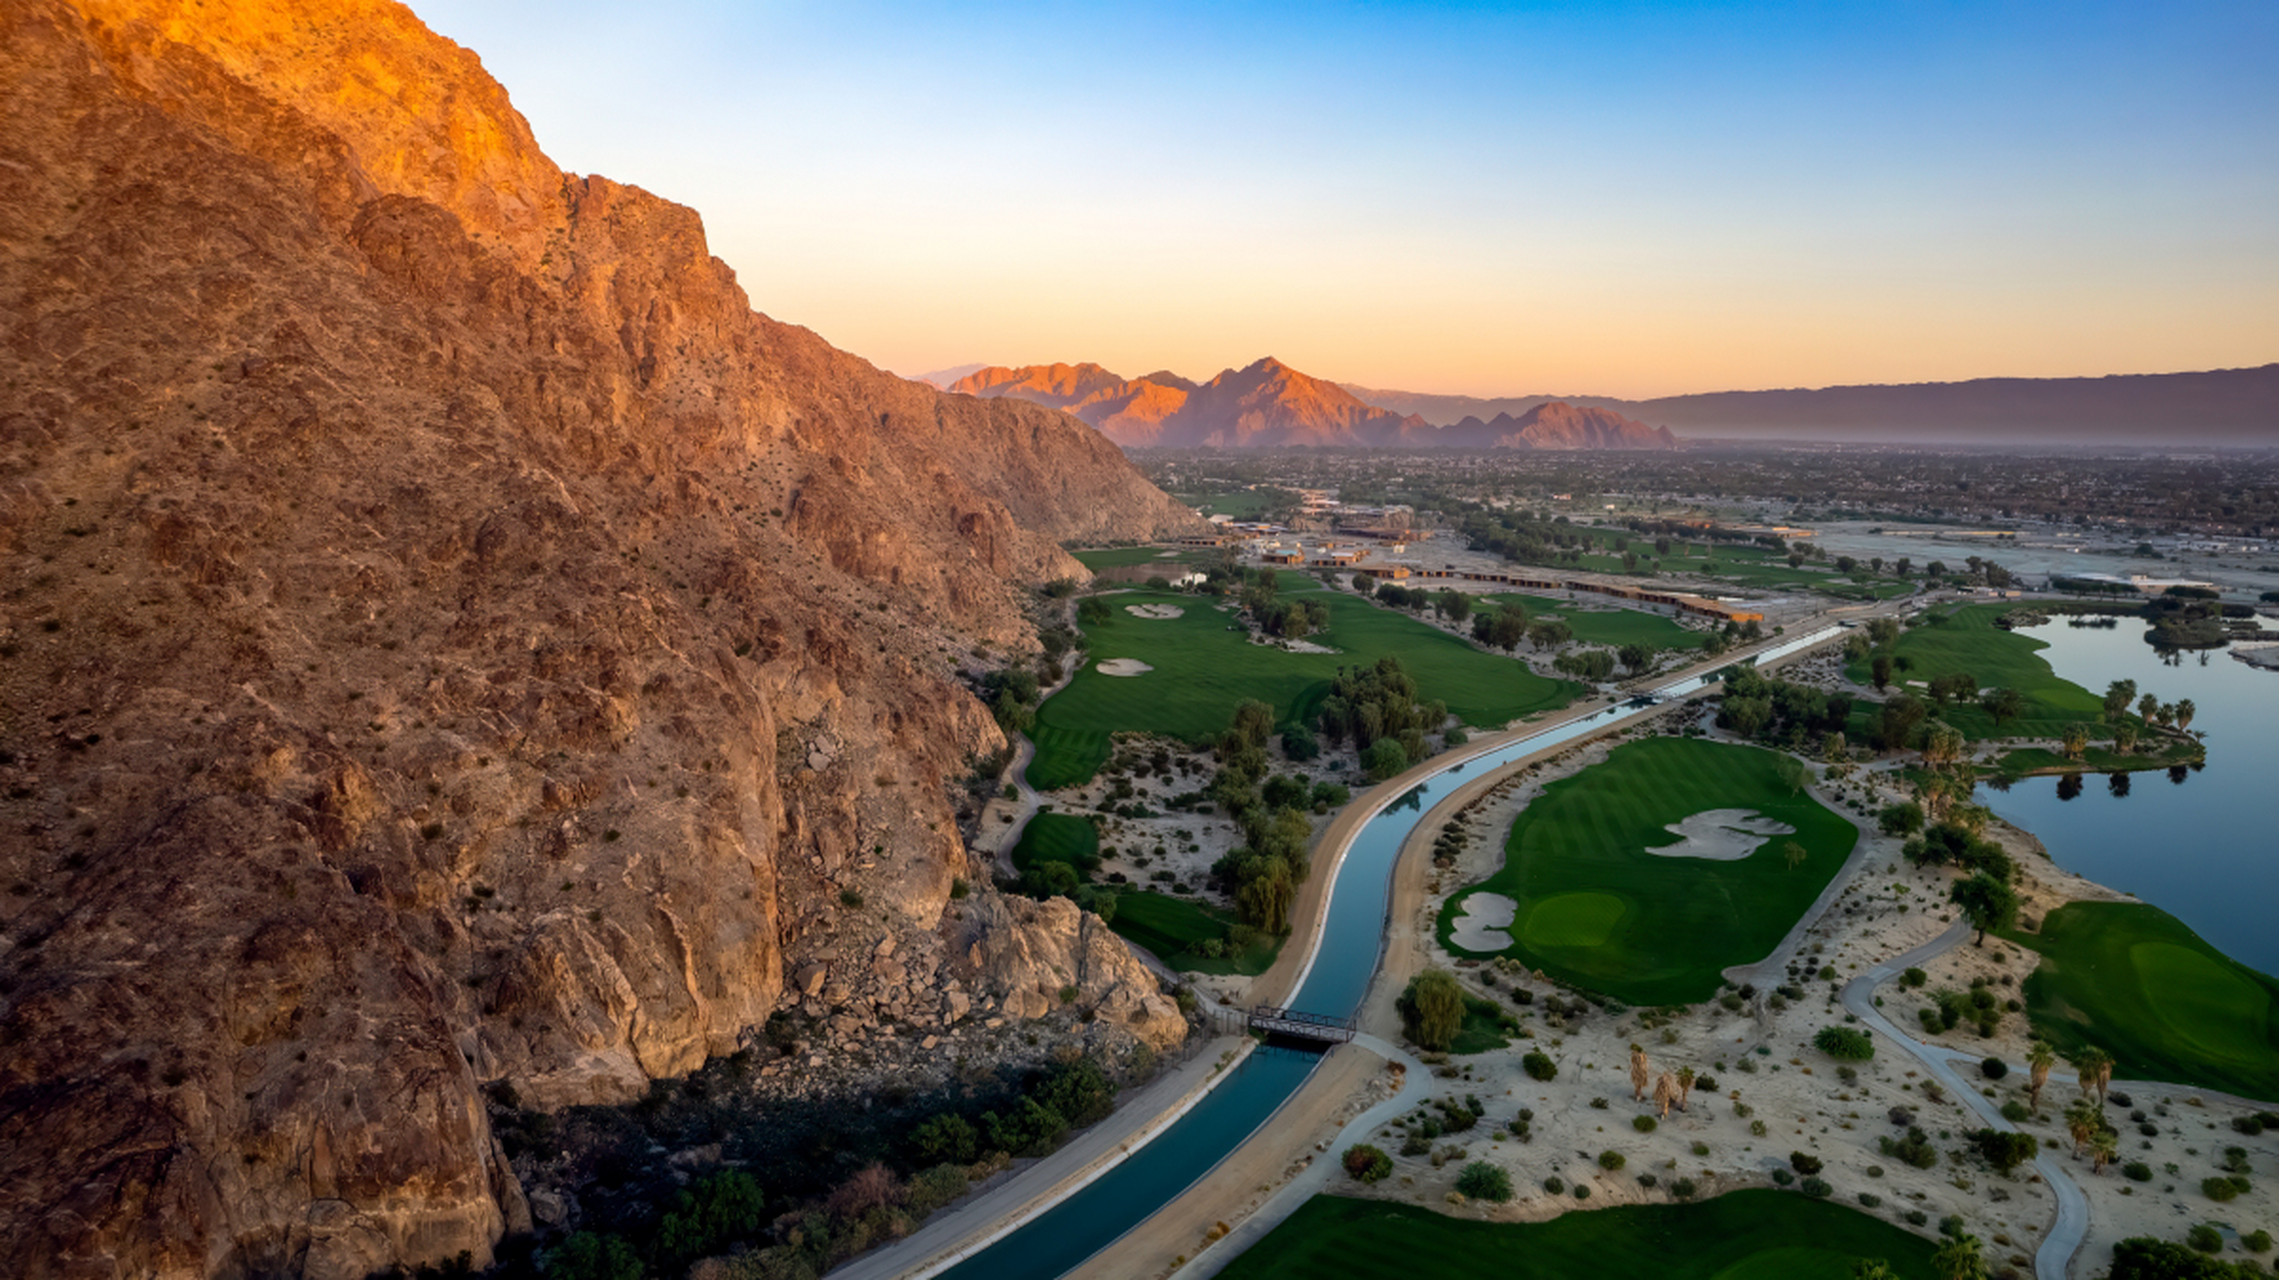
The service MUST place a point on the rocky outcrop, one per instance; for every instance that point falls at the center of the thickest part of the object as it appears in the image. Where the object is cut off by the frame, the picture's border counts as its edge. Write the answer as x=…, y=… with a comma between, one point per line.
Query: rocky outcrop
x=1553, y=425
x=1031, y=957
x=449, y=638
x=1266, y=404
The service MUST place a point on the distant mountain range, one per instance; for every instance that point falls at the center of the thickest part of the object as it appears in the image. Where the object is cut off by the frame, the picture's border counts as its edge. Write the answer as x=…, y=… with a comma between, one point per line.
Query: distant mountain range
x=2219, y=407
x=1271, y=405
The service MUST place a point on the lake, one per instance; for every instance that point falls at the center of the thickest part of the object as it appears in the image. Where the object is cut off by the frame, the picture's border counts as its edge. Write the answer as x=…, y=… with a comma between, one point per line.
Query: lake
x=2202, y=845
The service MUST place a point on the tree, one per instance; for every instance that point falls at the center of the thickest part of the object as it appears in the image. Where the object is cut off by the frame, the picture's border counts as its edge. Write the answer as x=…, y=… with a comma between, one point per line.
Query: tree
x=1507, y=626
x=2118, y=695
x=1432, y=1009
x=1879, y=670
x=1902, y=819
x=1959, y=1259
x=1844, y=1043
x=1792, y=853
x=1942, y=744
x=2094, y=1068
x=2184, y=712
x=2144, y=1258
x=1686, y=1077
x=2039, y=1059
x=1988, y=903
x=2004, y=705
x=586, y=1256
x=2104, y=1149
x=2083, y=1119
x=1792, y=772
x=1641, y=1074
x=2075, y=740
x=1635, y=657
x=1384, y=758
x=1453, y=605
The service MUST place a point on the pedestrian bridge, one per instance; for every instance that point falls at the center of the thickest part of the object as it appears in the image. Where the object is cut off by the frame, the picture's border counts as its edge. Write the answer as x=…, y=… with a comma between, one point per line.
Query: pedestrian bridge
x=1303, y=1026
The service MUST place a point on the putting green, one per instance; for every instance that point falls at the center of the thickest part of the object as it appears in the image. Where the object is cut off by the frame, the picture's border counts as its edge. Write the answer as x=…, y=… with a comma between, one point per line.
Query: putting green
x=1756, y=1234
x=2134, y=981
x=1601, y=909
x=1573, y=920
x=1204, y=664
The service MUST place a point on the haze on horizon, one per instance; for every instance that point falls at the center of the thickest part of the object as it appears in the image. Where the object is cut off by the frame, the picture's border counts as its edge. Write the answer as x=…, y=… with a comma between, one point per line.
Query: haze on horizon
x=1614, y=199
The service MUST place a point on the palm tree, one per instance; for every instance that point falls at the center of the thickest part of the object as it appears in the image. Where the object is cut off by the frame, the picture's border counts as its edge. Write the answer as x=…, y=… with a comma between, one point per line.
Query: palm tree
x=2124, y=737
x=2147, y=706
x=2076, y=739
x=1685, y=1086
x=2095, y=1067
x=1872, y=1269
x=2104, y=1149
x=1665, y=1093
x=2040, y=1058
x=1640, y=1074
x=2184, y=713
x=2083, y=1120
x=1958, y=1259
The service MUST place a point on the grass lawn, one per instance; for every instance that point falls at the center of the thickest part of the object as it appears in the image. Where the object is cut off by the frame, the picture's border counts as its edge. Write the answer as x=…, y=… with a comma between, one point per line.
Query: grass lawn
x=1483, y=1027
x=2135, y=982
x=1202, y=669
x=1059, y=837
x=2029, y=761
x=1170, y=927
x=1966, y=640
x=1242, y=504
x=1756, y=1234
x=1595, y=908
x=1173, y=559
x=1611, y=627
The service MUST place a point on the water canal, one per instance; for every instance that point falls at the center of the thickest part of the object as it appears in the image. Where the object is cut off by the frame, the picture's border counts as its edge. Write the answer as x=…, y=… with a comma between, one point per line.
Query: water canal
x=1334, y=981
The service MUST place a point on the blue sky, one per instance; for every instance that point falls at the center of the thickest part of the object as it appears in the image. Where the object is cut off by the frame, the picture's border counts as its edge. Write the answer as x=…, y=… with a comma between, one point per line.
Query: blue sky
x=1495, y=199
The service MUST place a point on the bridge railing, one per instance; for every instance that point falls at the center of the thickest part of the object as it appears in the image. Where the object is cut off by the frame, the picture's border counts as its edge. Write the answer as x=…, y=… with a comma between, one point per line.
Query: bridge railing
x=1302, y=1024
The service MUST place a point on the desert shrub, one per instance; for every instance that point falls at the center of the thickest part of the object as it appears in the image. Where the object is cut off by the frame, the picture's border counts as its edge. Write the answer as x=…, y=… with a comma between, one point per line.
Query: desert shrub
x=2256, y=1241
x=1782, y=1177
x=2015, y=1112
x=1803, y=1163
x=2004, y=1150
x=1643, y=1124
x=1582, y=1192
x=1994, y=1068
x=2205, y=1238
x=2137, y=1171
x=1610, y=1160
x=1554, y=1184
x=1683, y=1189
x=1539, y=1066
x=932, y=1188
x=2219, y=1189
x=1845, y=1043
x=1646, y=1180
x=1915, y=1149
x=1483, y=1181
x=1816, y=1188
x=1365, y=1163
x=1432, y=1009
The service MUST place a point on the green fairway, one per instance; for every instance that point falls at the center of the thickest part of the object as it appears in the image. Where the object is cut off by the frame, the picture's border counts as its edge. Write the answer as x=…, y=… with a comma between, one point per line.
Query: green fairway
x=1966, y=640
x=1059, y=837
x=1746, y=1235
x=1595, y=908
x=1170, y=927
x=1611, y=627
x=1173, y=559
x=2135, y=982
x=1204, y=664
x=1242, y=504
x=2029, y=761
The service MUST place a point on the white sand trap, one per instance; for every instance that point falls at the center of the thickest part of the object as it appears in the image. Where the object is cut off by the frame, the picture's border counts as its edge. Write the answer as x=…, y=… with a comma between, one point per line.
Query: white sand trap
x=1122, y=667
x=1484, y=924
x=1722, y=835
x=1154, y=610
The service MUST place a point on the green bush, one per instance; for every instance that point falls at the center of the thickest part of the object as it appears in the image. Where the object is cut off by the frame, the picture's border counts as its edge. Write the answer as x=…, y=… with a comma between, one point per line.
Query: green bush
x=1611, y=1160
x=2256, y=1241
x=1643, y=1124
x=2137, y=1171
x=1816, y=1188
x=1554, y=1185
x=2205, y=1238
x=586, y=1256
x=1432, y=1009
x=1782, y=1177
x=1483, y=1181
x=1582, y=1192
x=1539, y=1066
x=1365, y=1163
x=1994, y=1068
x=1845, y=1043
x=2015, y=1112
x=1803, y=1163
x=2219, y=1189
x=1683, y=1189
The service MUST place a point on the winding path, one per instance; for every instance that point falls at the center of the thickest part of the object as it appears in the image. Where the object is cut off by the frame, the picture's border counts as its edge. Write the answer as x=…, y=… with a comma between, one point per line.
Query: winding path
x=2072, y=1225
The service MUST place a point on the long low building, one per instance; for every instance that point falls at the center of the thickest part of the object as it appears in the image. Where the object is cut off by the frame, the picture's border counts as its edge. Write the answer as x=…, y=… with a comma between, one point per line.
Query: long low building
x=1682, y=601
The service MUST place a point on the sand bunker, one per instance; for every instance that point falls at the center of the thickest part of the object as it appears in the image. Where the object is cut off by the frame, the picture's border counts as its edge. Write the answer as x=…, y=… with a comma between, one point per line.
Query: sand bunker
x=1154, y=610
x=1122, y=667
x=1722, y=835
x=1482, y=927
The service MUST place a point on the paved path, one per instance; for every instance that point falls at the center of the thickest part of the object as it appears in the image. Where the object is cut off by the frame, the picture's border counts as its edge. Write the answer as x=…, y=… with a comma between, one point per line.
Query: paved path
x=1415, y=1085
x=2065, y=1234
x=949, y=1237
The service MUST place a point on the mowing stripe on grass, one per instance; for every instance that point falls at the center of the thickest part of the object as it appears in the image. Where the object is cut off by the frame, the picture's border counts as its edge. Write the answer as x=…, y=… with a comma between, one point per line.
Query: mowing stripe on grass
x=1204, y=664
x=2136, y=982
x=1753, y=1233
x=1597, y=908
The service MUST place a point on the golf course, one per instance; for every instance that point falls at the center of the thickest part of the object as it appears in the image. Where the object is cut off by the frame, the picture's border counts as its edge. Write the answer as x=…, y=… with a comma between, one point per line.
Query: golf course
x=1746, y=1235
x=1598, y=907
x=1966, y=640
x=1202, y=663
x=1611, y=627
x=2134, y=981
x=1172, y=927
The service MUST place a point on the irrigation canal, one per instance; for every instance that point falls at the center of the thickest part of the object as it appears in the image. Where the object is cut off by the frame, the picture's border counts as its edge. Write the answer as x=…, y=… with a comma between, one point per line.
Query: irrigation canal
x=1346, y=949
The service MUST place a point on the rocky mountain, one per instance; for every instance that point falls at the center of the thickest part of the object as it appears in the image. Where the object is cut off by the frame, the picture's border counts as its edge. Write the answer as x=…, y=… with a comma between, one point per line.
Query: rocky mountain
x=2222, y=406
x=1555, y=425
x=451, y=638
x=1271, y=405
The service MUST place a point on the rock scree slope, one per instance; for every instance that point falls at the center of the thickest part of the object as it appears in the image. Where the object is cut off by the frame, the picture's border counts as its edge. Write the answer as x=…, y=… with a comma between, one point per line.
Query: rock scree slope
x=449, y=638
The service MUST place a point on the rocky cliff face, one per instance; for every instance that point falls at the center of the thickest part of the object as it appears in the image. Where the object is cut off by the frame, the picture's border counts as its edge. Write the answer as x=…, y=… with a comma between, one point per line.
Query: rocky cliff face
x=1553, y=425
x=449, y=637
x=1266, y=404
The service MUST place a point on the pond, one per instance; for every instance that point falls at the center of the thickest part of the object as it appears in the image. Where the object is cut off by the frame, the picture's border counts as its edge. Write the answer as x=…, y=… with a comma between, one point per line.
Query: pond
x=2197, y=843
